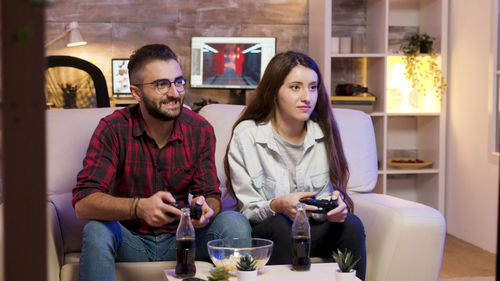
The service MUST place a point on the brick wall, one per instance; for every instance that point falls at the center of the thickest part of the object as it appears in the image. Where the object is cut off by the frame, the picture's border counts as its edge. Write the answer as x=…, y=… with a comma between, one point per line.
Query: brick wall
x=114, y=28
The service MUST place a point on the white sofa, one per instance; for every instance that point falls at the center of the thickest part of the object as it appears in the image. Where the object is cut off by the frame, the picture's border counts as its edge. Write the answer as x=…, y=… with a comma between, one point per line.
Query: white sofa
x=404, y=239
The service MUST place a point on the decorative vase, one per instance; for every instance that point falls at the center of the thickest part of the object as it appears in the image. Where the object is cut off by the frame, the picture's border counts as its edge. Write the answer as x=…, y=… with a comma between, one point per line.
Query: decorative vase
x=344, y=276
x=246, y=275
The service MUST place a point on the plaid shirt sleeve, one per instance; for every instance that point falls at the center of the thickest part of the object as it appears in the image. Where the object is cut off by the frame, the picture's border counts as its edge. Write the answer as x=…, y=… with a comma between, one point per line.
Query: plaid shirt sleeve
x=205, y=178
x=99, y=165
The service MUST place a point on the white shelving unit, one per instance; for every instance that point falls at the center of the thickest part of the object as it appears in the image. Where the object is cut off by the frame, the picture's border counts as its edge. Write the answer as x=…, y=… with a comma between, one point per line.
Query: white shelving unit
x=495, y=107
x=379, y=23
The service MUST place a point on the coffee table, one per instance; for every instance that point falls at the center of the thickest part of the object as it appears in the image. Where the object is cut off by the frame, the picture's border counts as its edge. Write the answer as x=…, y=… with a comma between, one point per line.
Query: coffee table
x=318, y=272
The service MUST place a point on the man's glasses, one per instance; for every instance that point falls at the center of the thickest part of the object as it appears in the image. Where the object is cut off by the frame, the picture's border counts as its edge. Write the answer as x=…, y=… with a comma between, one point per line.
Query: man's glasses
x=163, y=85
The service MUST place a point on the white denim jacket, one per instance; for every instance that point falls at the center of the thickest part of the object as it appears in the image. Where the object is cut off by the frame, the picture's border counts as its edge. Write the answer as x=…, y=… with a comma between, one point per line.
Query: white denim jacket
x=259, y=174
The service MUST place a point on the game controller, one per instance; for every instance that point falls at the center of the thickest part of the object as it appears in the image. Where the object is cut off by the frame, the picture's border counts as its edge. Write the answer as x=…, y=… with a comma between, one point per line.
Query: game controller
x=194, y=211
x=324, y=205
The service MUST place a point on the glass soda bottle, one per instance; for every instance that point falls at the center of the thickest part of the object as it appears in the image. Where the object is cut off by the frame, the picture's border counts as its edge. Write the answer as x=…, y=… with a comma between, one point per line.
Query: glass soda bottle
x=185, y=246
x=301, y=240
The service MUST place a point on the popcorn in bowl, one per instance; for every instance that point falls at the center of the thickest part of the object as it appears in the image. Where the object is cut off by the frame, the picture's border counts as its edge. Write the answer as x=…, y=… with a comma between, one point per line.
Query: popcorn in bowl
x=227, y=252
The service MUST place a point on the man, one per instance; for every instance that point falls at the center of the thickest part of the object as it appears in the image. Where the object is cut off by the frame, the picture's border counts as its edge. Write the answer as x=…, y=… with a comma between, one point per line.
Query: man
x=142, y=159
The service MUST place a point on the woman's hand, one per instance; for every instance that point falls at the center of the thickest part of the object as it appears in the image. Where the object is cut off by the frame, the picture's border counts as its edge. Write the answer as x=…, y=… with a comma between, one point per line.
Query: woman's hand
x=287, y=204
x=340, y=213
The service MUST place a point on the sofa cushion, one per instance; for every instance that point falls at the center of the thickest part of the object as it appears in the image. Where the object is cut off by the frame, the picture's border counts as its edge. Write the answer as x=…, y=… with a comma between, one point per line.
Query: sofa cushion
x=68, y=134
x=131, y=271
x=71, y=226
x=358, y=139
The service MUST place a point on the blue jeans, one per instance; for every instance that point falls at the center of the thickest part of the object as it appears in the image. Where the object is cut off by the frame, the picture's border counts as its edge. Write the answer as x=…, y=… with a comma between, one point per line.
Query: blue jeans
x=105, y=242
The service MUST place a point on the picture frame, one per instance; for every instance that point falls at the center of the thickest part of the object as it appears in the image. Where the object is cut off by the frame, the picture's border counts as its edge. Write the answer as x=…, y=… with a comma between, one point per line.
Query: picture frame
x=121, y=84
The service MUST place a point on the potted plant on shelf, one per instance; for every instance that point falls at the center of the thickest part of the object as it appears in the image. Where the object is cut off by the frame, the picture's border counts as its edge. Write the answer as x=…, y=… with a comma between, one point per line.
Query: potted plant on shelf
x=218, y=274
x=346, y=263
x=246, y=268
x=416, y=71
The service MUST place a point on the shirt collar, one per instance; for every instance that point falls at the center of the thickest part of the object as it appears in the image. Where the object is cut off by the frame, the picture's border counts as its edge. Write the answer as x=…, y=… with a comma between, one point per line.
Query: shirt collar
x=264, y=134
x=139, y=125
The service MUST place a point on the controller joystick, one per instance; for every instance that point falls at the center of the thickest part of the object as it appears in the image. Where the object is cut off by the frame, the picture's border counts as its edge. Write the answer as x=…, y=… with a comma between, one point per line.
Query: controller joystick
x=194, y=211
x=324, y=205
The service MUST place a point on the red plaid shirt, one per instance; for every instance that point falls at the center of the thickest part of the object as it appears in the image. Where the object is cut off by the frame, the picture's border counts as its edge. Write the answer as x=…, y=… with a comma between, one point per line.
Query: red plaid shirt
x=123, y=160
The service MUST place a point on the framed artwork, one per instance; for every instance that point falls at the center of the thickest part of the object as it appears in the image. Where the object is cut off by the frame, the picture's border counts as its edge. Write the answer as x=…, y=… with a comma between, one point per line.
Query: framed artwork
x=121, y=85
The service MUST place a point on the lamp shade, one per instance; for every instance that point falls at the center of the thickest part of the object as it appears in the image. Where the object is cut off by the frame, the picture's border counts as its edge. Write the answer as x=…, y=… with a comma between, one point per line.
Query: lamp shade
x=75, y=37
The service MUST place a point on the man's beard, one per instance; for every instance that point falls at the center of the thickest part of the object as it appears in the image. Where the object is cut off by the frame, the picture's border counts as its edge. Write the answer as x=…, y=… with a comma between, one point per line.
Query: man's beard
x=155, y=110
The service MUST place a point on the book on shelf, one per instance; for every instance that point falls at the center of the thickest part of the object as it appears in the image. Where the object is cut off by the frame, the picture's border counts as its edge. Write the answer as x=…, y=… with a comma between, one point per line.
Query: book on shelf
x=363, y=103
x=353, y=99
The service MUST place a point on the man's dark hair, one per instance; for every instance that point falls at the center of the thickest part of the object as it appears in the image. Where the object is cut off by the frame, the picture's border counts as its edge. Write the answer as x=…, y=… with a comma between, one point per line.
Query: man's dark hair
x=144, y=55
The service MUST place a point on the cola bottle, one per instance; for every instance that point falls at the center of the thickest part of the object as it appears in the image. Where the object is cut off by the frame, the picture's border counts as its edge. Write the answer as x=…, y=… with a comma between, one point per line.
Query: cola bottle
x=301, y=240
x=185, y=246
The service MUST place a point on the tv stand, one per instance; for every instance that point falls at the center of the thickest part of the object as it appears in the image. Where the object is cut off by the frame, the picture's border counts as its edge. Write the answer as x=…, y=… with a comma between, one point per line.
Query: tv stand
x=238, y=95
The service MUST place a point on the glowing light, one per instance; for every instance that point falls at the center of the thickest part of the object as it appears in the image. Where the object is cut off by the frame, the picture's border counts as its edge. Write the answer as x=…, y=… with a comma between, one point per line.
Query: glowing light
x=401, y=97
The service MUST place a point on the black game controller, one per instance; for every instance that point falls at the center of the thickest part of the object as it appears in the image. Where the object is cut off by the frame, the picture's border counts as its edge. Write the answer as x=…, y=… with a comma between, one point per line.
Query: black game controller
x=324, y=205
x=194, y=211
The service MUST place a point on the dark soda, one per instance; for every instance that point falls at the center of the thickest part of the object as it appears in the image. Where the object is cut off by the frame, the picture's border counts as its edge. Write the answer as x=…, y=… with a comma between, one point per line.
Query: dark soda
x=300, y=253
x=186, y=252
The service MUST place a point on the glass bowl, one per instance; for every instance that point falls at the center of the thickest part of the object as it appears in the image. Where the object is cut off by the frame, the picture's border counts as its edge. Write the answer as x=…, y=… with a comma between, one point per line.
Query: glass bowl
x=227, y=252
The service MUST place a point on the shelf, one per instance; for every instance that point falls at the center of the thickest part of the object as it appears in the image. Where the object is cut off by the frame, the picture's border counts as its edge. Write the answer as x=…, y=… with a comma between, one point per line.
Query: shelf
x=358, y=55
x=419, y=171
x=405, y=124
x=429, y=114
x=366, y=71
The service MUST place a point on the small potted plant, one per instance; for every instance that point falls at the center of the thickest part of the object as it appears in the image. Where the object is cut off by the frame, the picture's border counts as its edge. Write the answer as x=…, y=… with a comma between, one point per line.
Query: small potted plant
x=69, y=95
x=346, y=263
x=246, y=268
x=416, y=71
x=218, y=274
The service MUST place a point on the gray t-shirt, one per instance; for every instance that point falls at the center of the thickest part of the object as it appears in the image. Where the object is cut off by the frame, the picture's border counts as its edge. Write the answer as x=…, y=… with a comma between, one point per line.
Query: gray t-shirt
x=292, y=154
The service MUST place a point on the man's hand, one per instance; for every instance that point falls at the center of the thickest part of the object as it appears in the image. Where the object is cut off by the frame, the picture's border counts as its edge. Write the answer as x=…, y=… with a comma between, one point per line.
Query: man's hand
x=287, y=204
x=154, y=209
x=206, y=212
x=340, y=213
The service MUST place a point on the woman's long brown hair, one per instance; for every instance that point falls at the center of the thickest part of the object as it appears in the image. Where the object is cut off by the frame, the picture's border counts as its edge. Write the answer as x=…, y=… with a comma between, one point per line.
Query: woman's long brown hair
x=262, y=108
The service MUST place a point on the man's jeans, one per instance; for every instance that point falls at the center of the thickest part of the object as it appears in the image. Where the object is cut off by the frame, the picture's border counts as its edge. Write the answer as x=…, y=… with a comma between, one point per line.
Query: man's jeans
x=105, y=242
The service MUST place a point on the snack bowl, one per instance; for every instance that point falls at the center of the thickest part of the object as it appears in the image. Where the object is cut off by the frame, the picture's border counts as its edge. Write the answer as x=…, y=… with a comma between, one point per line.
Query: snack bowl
x=227, y=252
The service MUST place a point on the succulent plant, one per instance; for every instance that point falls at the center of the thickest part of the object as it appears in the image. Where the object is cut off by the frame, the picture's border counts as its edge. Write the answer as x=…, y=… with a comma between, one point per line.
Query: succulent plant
x=344, y=259
x=246, y=263
x=218, y=274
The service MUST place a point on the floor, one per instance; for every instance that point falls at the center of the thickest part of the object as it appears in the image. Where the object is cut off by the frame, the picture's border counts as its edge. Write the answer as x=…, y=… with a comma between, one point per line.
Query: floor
x=463, y=261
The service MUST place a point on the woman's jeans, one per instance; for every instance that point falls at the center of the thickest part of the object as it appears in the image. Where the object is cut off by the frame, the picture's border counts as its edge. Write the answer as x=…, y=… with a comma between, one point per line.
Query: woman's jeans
x=105, y=242
x=326, y=237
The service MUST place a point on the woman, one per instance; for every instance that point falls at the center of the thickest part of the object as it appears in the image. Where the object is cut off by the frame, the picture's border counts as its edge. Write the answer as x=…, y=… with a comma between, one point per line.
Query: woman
x=286, y=146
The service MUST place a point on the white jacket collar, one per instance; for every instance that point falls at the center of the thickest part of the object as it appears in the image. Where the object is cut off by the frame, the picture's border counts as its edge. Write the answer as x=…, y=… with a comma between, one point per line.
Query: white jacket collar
x=264, y=135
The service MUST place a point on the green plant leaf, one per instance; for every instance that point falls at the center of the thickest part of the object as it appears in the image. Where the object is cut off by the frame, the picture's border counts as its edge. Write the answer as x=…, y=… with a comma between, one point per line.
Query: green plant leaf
x=344, y=259
x=218, y=274
x=246, y=263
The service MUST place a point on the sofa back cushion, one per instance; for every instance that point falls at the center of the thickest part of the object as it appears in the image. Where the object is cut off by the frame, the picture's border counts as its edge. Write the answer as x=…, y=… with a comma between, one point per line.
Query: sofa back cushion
x=356, y=131
x=68, y=135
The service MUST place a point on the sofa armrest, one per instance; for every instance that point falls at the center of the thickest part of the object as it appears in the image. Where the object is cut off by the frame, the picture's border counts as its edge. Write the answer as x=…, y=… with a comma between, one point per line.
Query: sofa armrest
x=55, y=253
x=404, y=239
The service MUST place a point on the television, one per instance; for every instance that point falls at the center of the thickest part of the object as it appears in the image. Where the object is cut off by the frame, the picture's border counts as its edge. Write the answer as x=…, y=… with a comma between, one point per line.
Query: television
x=229, y=62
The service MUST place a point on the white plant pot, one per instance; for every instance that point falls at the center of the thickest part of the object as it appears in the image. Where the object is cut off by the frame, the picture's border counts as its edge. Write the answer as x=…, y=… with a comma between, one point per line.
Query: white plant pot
x=344, y=276
x=246, y=275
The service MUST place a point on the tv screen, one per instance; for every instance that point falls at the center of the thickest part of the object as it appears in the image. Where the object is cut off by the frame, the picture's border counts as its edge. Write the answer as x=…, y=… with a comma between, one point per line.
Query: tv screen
x=229, y=62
